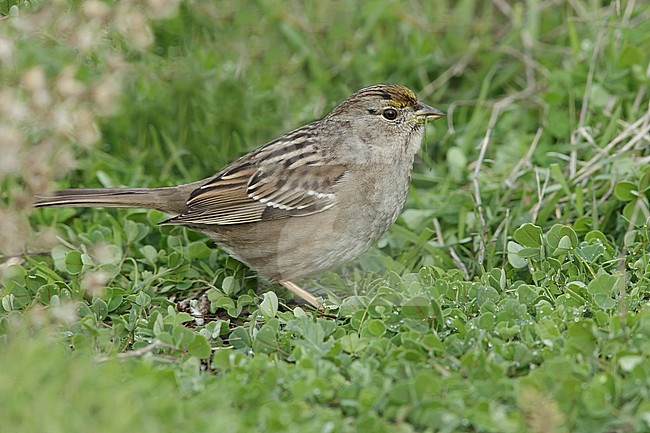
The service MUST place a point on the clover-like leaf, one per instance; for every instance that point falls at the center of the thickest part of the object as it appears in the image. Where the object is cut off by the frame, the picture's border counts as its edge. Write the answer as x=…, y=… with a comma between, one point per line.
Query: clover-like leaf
x=513, y=255
x=199, y=347
x=269, y=305
x=529, y=235
x=625, y=191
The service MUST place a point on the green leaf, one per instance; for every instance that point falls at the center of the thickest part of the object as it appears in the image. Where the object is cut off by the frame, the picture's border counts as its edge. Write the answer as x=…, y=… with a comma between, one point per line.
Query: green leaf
x=598, y=236
x=438, y=315
x=598, y=394
x=630, y=55
x=486, y=321
x=100, y=308
x=590, y=253
x=529, y=253
x=174, y=259
x=644, y=182
x=149, y=253
x=625, y=191
x=529, y=235
x=636, y=212
x=45, y=293
x=266, y=339
x=603, y=284
x=177, y=319
x=375, y=327
x=513, y=255
x=417, y=307
x=604, y=301
x=600, y=97
x=486, y=294
x=165, y=337
x=73, y=262
x=557, y=173
x=526, y=294
x=198, y=250
x=115, y=298
x=225, y=303
x=142, y=299
x=199, y=347
x=555, y=235
x=58, y=255
x=269, y=305
x=230, y=285
x=580, y=337
x=629, y=362
x=183, y=336
x=583, y=224
x=558, y=124
x=14, y=274
x=351, y=343
x=134, y=231
x=563, y=246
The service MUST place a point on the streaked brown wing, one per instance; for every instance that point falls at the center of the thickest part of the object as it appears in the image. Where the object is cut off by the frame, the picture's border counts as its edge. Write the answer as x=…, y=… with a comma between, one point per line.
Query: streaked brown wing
x=246, y=194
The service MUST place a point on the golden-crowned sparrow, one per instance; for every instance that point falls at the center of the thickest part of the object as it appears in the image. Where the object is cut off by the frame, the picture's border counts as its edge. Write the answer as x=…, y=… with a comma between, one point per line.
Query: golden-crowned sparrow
x=306, y=202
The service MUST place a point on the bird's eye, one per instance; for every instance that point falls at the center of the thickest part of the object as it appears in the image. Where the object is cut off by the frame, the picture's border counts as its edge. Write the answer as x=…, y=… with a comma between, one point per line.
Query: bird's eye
x=389, y=114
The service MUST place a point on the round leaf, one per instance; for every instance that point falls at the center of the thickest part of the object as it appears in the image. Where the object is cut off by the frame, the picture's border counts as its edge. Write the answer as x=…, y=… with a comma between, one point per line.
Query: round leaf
x=73, y=262
x=625, y=191
x=529, y=235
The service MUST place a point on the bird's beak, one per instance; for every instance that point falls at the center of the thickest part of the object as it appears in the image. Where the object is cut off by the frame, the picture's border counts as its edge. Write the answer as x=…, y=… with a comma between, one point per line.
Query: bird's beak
x=424, y=112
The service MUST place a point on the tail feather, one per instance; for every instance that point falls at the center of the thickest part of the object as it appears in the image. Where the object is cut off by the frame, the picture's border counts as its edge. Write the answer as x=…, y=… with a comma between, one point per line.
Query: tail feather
x=171, y=199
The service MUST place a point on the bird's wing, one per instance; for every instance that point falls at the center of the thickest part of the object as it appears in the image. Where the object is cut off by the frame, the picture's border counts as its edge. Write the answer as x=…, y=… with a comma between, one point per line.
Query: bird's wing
x=261, y=187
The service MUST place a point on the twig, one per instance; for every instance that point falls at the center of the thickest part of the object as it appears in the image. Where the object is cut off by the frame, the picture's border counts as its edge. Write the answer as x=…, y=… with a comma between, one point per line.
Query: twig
x=527, y=43
x=605, y=151
x=451, y=130
x=452, y=252
x=528, y=61
x=135, y=353
x=496, y=110
x=641, y=93
x=502, y=228
x=453, y=71
x=590, y=169
x=622, y=275
x=524, y=161
x=609, y=192
x=573, y=162
x=504, y=7
x=541, y=191
x=625, y=21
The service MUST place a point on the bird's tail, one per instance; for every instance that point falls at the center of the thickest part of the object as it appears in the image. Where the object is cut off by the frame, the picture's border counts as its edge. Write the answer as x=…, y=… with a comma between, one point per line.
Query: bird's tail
x=172, y=199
